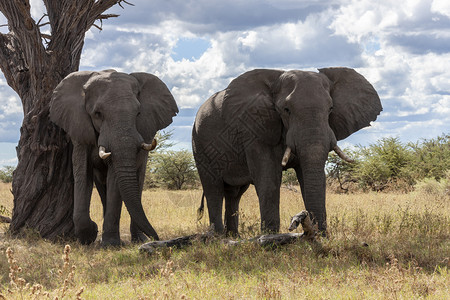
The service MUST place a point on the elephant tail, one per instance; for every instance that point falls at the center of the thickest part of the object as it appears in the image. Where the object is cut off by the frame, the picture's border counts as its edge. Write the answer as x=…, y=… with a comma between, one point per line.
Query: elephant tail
x=201, y=209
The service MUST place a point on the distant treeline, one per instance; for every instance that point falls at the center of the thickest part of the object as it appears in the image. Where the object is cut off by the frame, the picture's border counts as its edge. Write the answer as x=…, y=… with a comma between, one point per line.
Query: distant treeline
x=390, y=164
x=386, y=165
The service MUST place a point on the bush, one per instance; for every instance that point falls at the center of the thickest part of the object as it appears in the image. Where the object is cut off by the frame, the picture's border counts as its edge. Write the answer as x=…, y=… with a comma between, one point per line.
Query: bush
x=6, y=174
x=431, y=157
x=384, y=164
x=340, y=173
x=175, y=169
x=431, y=186
x=164, y=142
x=392, y=165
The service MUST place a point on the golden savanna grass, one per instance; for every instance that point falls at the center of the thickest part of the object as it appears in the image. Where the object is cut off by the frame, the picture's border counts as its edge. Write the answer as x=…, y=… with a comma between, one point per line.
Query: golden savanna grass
x=381, y=246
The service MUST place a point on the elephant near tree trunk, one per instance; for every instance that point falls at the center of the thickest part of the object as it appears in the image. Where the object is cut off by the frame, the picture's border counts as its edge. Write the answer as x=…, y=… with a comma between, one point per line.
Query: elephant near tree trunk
x=269, y=120
x=111, y=118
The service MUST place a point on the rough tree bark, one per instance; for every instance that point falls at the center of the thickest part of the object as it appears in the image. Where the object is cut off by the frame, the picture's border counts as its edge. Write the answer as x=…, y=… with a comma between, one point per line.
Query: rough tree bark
x=33, y=64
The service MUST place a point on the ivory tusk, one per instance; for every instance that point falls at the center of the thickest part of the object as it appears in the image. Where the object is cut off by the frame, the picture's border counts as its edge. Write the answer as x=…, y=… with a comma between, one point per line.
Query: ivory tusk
x=342, y=155
x=149, y=147
x=102, y=153
x=286, y=156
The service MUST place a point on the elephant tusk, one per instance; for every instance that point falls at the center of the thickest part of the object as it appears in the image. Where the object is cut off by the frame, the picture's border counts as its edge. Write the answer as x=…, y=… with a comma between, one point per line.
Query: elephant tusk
x=286, y=156
x=102, y=153
x=149, y=147
x=342, y=155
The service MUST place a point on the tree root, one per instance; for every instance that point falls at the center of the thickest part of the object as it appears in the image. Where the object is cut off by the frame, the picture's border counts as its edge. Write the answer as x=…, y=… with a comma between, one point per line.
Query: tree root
x=269, y=240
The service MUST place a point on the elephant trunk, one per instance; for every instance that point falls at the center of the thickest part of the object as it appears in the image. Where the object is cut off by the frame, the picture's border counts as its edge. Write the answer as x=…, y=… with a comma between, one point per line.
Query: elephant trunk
x=127, y=181
x=312, y=147
x=313, y=175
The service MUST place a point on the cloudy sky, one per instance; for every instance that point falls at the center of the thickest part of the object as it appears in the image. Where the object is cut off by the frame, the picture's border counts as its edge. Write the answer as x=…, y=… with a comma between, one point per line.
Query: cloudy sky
x=198, y=47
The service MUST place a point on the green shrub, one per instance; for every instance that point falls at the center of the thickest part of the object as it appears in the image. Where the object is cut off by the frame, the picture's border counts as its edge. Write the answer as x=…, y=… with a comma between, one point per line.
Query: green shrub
x=289, y=178
x=431, y=186
x=175, y=169
x=391, y=165
x=6, y=174
x=431, y=157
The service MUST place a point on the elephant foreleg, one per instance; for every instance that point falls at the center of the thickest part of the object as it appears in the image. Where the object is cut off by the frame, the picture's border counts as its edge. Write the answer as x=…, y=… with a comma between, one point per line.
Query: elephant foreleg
x=111, y=222
x=85, y=229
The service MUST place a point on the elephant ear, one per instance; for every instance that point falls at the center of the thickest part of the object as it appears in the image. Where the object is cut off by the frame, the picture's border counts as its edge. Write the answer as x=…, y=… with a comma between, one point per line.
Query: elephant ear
x=248, y=106
x=67, y=107
x=158, y=106
x=355, y=101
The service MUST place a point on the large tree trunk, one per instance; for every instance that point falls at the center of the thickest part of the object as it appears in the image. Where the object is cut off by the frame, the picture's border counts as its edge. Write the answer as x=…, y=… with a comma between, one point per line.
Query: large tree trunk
x=42, y=181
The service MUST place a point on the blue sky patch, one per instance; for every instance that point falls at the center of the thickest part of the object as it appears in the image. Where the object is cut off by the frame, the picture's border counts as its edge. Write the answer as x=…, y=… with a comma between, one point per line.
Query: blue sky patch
x=190, y=48
x=372, y=45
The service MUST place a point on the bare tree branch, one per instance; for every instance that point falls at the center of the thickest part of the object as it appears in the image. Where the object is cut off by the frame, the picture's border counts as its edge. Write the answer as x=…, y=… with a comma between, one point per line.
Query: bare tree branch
x=39, y=22
x=107, y=16
x=98, y=27
x=126, y=2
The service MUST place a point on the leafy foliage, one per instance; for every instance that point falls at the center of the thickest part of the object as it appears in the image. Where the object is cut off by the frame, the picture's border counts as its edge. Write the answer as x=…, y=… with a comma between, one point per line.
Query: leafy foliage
x=390, y=164
x=175, y=169
x=431, y=157
x=289, y=178
x=6, y=174
x=163, y=138
x=163, y=143
x=431, y=186
x=169, y=169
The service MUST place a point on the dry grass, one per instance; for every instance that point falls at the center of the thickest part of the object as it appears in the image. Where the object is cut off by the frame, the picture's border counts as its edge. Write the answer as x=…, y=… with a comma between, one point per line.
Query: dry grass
x=381, y=246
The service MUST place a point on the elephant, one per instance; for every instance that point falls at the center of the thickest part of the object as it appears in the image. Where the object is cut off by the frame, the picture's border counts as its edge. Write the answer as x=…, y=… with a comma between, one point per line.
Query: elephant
x=267, y=121
x=111, y=118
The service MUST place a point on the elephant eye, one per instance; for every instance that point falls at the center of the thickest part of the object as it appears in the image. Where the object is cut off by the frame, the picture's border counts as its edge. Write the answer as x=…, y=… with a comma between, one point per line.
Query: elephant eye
x=98, y=114
x=331, y=109
x=286, y=110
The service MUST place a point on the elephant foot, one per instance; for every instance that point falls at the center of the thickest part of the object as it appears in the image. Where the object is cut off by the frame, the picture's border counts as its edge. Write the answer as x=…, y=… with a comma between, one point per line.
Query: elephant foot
x=87, y=234
x=232, y=233
x=111, y=239
x=138, y=237
x=322, y=228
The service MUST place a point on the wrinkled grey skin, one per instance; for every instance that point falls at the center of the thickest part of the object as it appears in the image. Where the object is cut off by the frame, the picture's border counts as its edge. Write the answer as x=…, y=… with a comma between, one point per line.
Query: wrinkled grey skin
x=119, y=112
x=241, y=133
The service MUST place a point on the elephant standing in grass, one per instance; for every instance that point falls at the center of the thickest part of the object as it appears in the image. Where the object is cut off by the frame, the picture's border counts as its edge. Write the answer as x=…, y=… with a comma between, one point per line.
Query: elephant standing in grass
x=267, y=121
x=111, y=118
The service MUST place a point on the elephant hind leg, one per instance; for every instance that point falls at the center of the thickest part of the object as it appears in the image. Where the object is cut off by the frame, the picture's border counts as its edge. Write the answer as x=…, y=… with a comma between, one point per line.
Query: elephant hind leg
x=214, y=200
x=233, y=196
x=101, y=189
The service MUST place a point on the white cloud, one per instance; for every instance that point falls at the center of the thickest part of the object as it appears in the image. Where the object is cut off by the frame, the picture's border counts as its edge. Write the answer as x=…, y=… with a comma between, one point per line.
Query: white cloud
x=402, y=48
x=11, y=106
x=442, y=107
x=441, y=7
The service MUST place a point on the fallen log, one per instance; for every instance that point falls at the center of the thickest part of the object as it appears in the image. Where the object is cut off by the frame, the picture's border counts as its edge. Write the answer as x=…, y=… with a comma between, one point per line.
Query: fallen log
x=271, y=240
x=4, y=219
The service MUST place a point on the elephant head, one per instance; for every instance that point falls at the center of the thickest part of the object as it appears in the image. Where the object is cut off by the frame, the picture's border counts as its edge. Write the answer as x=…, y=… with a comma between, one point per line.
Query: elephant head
x=118, y=114
x=308, y=112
